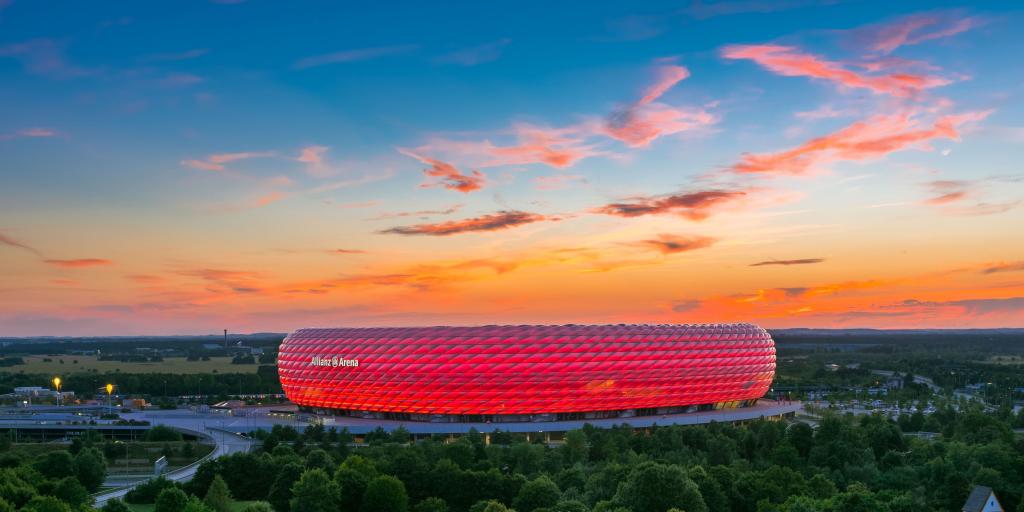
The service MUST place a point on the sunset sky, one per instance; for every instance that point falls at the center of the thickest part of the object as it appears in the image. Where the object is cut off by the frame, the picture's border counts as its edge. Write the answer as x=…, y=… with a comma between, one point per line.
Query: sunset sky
x=186, y=167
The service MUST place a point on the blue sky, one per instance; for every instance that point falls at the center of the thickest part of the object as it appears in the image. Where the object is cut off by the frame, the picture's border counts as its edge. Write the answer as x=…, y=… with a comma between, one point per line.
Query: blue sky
x=167, y=139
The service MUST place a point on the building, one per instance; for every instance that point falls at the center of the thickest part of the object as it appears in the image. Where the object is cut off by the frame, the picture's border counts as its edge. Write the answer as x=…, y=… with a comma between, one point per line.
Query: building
x=982, y=499
x=526, y=373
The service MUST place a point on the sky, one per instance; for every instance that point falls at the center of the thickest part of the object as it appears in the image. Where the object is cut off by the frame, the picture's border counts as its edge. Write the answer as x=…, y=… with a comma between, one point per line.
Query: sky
x=259, y=166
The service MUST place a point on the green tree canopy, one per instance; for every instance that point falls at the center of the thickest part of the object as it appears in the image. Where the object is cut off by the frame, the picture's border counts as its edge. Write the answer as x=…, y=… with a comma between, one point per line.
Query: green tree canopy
x=385, y=493
x=314, y=492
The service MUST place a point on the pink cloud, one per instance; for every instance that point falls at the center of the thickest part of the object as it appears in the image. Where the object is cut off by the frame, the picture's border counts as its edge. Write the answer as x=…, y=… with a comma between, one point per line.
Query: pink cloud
x=875, y=137
x=789, y=61
x=913, y=29
x=555, y=147
x=640, y=123
x=269, y=198
x=216, y=162
x=947, y=191
x=450, y=177
x=29, y=132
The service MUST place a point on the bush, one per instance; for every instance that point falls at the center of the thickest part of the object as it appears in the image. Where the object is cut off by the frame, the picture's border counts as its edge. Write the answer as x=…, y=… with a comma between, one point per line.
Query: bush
x=171, y=499
x=147, y=492
x=116, y=506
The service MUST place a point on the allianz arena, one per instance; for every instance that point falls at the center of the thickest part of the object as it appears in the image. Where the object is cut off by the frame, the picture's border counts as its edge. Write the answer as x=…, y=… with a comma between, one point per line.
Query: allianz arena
x=526, y=372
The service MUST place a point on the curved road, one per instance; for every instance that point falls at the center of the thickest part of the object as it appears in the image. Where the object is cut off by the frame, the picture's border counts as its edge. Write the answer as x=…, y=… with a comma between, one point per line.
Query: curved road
x=225, y=443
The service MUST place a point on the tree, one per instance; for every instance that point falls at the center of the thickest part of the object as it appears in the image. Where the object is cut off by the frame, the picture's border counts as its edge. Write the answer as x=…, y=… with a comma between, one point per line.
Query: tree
x=540, y=492
x=6, y=441
x=385, y=494
x=576, y=446
x=90, y=468
x=218, y=497
x=171, y=499
x=116, y=506
x=318, y=458
x=653, y=487
x=490, y=506
x=54, y=465
x=281, y=491
x=431, y=504
x=314, y=492
x=194, y=505
x=352, y=478
x=259, y=506
x=71, y=491
x=45, y=504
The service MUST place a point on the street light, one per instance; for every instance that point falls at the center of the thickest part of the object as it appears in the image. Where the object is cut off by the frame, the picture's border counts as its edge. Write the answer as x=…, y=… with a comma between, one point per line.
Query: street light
x=110, y=408
x=56, y=384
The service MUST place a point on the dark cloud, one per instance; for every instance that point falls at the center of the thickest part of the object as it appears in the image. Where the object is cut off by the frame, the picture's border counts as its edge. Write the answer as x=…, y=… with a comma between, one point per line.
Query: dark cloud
x=10, y=242
x=692, y=205
x=804, y=261
x=683, y=306
x=1004, y=267
x=493, y=222
x=671, y=244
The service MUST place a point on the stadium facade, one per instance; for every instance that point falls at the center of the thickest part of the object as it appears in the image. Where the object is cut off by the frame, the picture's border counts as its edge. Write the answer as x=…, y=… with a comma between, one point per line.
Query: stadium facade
x=526, y=373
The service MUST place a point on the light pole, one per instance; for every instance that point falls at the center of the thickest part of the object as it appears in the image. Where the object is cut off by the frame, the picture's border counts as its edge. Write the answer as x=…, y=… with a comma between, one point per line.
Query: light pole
x=110, y=407
x=56, y=384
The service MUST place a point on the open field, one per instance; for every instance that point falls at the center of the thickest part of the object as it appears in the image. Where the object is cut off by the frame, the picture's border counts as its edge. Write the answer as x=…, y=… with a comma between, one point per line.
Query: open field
x=74, y=364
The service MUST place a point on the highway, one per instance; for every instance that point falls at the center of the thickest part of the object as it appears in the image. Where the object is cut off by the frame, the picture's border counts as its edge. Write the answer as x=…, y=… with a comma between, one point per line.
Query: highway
x=225, y=443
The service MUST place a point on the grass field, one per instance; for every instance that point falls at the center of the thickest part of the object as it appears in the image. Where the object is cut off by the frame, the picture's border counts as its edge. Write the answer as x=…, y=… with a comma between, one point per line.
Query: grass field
x=72, y=364
x=236, y=506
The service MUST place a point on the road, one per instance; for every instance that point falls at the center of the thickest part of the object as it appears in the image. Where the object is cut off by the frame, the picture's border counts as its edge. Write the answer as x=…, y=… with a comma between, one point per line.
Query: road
x=225, y=443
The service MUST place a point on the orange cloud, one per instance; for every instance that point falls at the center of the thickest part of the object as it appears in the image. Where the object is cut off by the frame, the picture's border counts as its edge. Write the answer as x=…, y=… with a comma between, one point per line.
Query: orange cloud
x=451, y=178
x=788, y=61
x=493, y=222
x=876, y=137
x=216, y=162
x=347, y=251
x=672, y=244
x=79, y=263
x=692, y=205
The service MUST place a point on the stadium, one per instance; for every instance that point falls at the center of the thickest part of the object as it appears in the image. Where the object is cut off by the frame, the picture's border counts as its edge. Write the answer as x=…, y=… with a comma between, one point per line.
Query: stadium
x=527, y=373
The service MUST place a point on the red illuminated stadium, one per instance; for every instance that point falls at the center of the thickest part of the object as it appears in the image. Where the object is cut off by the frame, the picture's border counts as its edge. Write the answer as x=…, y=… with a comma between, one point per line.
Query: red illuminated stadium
x=526, y=373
